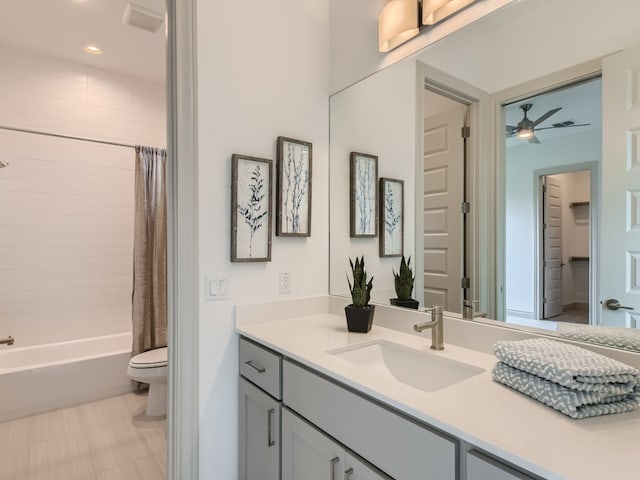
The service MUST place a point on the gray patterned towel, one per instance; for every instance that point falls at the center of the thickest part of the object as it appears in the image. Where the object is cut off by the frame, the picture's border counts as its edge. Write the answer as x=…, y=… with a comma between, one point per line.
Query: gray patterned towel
x=568, y=365
x=617, y=337
x=574, y=403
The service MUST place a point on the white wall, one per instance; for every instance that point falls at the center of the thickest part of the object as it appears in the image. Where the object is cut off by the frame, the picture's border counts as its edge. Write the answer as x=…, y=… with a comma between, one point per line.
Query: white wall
x=263, y=71
x=522, y=161
x=66, y=207
x=377, y=116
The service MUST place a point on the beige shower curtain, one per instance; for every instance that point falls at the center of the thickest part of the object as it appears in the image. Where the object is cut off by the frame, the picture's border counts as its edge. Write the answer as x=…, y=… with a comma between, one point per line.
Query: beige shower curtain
x=149, y=313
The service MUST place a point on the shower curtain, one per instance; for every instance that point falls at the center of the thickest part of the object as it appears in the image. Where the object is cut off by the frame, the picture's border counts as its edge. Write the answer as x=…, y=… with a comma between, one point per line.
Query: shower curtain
x=149, y=310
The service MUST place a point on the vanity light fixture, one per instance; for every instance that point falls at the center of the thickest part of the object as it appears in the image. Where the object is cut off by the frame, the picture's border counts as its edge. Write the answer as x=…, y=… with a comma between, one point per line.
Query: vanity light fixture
x=397, y=23
x=93, y=49
x=399, y=20
x=434, y=11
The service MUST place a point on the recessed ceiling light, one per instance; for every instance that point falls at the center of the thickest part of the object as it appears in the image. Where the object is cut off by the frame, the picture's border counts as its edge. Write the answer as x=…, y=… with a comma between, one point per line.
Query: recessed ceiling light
x=93, y=50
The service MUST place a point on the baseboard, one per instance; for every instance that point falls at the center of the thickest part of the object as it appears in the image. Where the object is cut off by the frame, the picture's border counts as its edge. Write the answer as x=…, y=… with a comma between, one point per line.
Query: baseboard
x=519, y=314
x=576, y=306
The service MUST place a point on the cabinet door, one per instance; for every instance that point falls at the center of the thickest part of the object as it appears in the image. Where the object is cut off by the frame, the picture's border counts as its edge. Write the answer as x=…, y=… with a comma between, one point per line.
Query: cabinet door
x=308, y=454
x=356, y=469
x=259, y=434
x=480, y=467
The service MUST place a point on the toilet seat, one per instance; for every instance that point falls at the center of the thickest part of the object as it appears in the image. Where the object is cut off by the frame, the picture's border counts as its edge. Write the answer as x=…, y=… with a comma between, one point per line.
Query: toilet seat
x=155, y=358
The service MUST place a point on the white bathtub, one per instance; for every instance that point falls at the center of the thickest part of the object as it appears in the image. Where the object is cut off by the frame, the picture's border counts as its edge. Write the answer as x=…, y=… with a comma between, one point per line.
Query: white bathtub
x=45, y=377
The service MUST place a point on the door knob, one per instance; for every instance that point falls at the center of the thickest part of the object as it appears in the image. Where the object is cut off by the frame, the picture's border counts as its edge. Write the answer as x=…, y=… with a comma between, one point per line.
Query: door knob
x=613, y=304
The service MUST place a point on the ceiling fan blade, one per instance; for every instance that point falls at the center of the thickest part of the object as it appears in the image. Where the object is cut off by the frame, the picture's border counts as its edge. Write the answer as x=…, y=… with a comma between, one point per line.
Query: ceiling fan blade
x=546, y=115
x=510, y=131
x=533, y=139
x=564, y=126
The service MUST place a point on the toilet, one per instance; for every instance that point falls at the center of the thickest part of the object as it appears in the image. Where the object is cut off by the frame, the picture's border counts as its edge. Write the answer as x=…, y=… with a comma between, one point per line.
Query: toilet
x=151, y=367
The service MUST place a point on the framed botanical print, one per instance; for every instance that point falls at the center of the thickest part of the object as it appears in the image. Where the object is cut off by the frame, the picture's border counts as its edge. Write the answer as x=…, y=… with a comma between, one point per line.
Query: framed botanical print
x=363, y=176
x=250, y=209
x=392, y=217
x=293, y=198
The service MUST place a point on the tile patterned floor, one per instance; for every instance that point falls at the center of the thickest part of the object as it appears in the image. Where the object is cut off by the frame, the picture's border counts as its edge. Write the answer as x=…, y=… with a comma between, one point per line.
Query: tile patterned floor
x=109, y=439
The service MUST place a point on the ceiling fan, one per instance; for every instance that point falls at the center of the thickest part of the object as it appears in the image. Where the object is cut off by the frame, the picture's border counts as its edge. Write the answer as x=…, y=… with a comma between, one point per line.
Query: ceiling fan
x=526, y=128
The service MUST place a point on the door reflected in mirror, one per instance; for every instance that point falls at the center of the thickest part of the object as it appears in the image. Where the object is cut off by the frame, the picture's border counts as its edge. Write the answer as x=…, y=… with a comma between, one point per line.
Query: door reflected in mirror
x=502, y=246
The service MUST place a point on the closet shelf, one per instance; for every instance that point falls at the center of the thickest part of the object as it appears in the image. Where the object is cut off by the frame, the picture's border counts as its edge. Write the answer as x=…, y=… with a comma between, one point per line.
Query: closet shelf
x=578, y=259
x=578, y=204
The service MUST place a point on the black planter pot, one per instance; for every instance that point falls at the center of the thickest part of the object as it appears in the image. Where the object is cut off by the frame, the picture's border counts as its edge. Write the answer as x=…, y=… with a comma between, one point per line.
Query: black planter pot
x=359, y=319
x=411, y=303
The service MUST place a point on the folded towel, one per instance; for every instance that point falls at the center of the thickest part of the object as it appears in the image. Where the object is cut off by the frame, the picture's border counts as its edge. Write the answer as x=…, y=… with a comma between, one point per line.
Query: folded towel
x=568, y=365
x=617, y=337
x=574, y=403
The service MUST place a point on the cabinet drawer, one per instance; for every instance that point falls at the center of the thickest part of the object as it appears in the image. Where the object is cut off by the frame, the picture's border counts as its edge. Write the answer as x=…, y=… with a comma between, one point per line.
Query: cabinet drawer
x=480, y=467
x=261, y=366
x=398, y=446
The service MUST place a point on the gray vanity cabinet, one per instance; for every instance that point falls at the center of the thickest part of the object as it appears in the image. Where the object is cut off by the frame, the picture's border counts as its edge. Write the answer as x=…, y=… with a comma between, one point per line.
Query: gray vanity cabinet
x=481, y=467
x=309, y=454
x=259, y=411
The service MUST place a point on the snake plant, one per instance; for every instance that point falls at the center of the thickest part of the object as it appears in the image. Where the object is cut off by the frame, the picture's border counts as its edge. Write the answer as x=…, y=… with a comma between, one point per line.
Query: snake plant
x=360, y=289
x=404, y=280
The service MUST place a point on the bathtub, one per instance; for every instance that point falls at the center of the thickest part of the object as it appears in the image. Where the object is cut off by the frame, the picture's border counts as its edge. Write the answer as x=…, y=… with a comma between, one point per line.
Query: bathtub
x=45, y=377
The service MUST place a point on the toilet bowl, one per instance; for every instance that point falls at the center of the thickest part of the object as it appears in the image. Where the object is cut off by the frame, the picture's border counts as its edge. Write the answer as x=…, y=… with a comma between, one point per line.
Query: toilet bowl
x=151, y=367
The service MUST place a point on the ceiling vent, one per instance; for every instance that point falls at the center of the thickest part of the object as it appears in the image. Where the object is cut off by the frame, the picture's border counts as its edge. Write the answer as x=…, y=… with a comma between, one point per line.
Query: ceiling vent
x=143, y=18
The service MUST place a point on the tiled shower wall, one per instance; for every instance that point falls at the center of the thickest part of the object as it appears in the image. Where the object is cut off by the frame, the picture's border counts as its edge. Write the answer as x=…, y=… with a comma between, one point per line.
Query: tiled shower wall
x=66, y=207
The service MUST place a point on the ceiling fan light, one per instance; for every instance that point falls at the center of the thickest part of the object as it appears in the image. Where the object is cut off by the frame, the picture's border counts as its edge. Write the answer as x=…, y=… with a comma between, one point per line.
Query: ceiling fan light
x=525, y=133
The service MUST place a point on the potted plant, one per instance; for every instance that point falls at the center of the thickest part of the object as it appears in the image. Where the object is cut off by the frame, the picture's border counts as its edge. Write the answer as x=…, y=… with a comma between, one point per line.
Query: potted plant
x=359, y=313
x=404, y=286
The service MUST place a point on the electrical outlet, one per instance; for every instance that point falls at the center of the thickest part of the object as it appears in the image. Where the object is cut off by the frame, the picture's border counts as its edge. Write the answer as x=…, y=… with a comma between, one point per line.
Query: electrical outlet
x=285, y=283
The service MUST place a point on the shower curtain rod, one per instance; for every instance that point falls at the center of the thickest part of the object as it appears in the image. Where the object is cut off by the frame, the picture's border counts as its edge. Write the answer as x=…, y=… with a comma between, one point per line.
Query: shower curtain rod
x=69, y=137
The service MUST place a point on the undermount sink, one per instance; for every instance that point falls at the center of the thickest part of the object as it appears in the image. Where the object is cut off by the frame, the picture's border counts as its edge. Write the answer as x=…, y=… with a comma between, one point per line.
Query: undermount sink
x=425, y=371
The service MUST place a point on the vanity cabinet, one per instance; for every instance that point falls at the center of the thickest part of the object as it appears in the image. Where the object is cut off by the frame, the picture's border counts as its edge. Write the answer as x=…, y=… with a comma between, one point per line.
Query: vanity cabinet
x=395, y=444
x=259, y=411
x=481, y=467
x=309, y=454
x=297, y=424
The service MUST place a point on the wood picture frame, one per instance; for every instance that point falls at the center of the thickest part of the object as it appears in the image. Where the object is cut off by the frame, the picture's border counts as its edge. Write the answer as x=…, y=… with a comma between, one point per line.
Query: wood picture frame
x=363, y=202
x=391, y=237
x=251, y=202
x=293, y=187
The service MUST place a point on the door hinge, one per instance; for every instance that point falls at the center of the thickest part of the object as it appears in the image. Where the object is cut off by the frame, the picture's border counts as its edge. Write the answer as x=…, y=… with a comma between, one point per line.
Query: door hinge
x=544, y=300
x=465, y=207
x=465, y=132
x=465, y=282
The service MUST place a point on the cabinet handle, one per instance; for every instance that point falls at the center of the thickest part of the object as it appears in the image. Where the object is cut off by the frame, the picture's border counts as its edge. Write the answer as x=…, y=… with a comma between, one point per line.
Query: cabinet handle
x=334, y=460
x=348, y=473
x=257, y=368
x=270, y=441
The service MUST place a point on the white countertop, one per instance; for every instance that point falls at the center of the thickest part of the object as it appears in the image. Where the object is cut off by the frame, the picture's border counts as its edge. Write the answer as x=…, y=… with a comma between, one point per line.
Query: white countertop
x=478, y=410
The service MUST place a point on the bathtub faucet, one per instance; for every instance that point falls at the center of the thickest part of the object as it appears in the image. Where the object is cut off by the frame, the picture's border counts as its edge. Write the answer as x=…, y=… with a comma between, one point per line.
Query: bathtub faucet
x=8, y=341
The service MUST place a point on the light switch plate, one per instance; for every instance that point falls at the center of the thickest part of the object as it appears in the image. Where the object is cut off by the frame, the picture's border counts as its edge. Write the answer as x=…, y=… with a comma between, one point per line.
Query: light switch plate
x=216, y=288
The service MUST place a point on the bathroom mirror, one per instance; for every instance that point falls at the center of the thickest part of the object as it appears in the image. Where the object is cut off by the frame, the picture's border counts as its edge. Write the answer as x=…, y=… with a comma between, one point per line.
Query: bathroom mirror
x=487, y=71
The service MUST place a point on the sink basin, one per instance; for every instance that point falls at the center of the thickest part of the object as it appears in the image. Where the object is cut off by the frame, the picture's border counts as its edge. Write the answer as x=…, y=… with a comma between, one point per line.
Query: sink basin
x=425, y=371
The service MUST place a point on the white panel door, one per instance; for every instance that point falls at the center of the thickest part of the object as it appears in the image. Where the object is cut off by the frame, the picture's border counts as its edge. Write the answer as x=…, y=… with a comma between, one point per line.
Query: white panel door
x=307, y=454
x=443, y=194
x=620, y=247
x=552, y=245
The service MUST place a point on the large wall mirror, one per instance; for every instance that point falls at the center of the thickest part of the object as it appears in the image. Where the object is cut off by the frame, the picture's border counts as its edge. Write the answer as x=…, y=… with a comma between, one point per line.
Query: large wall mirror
x=534, y=219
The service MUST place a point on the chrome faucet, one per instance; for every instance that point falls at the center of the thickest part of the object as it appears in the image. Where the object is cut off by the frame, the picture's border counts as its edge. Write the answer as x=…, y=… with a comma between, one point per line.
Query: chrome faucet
x=8, y=340
x=437, y=337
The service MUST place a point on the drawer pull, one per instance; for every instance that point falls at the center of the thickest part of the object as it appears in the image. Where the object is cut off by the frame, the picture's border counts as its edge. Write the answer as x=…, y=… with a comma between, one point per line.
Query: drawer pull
x=270, y=441
x=348, y=473
x=334, y=460
x=257, y=368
